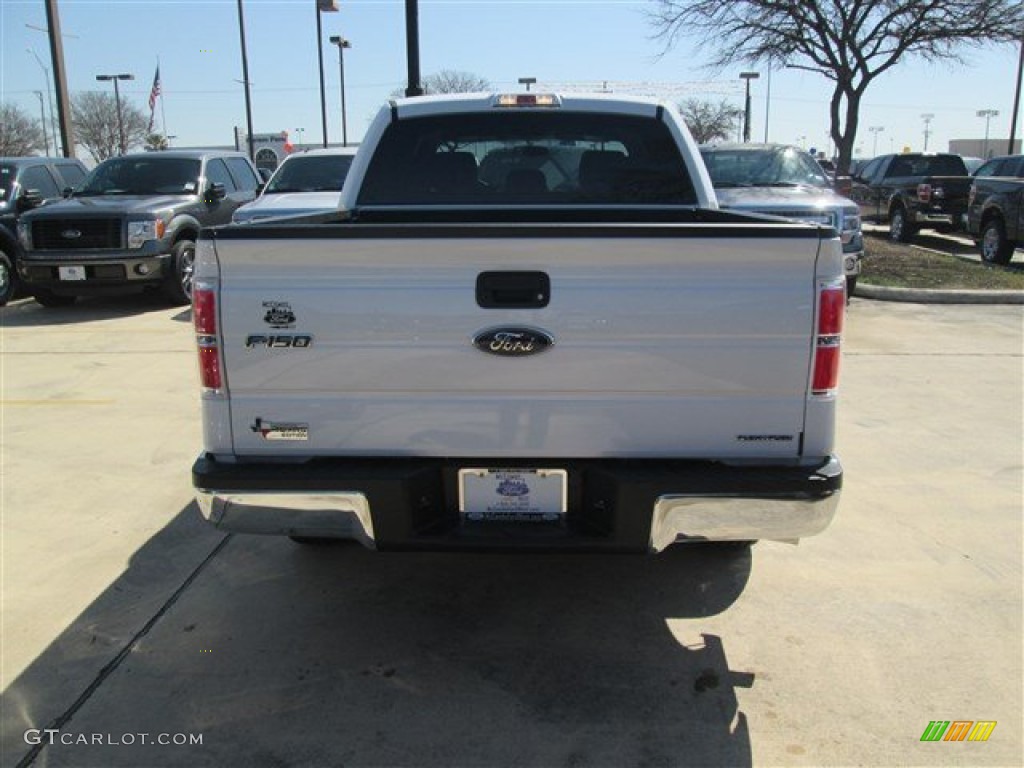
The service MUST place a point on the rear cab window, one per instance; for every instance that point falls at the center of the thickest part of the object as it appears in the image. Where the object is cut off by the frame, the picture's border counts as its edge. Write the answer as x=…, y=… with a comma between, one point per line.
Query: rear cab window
x=531, y=158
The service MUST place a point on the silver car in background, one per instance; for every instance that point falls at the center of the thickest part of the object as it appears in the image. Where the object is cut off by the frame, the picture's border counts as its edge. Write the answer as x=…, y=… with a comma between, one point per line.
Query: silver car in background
x=782, y=180
x=306, y=182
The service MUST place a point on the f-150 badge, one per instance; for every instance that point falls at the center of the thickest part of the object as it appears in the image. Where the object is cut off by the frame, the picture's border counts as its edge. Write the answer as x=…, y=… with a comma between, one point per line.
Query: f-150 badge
x=270, y=431
x=513, y=341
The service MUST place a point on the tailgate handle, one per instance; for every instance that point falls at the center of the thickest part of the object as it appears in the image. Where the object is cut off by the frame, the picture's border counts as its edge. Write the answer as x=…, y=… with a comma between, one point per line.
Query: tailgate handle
x=513, y=290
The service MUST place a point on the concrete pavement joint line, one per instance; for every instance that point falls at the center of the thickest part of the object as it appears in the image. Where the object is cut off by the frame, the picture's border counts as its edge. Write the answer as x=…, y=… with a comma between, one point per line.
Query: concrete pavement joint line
x=112, y=665
x=7, y=403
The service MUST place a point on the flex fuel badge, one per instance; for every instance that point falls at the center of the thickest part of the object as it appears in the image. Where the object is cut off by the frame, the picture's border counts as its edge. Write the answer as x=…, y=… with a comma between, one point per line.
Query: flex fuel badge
x=271, y=431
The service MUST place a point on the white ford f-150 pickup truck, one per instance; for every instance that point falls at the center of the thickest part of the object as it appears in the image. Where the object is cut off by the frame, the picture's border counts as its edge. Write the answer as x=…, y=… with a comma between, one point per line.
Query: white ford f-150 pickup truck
x=527, y=326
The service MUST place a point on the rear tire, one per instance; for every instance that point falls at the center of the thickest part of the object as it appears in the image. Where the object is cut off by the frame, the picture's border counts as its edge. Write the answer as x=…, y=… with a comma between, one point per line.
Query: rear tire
x=179, y=282
x=52, y=300
x=900, y=228
x=995, y=248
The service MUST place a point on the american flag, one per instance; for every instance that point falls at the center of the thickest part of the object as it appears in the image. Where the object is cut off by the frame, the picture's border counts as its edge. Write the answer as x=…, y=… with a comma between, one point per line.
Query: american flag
x=154, y=93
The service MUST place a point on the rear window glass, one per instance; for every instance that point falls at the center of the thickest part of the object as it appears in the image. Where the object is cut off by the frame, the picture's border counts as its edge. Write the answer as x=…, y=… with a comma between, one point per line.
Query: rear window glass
x=927, y=165
x=528, y=158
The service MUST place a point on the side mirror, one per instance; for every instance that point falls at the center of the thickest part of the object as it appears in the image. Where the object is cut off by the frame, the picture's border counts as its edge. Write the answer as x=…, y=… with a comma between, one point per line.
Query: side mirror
x=215, y=192
x=67, y=191
x=265, y=174
x=29, y=199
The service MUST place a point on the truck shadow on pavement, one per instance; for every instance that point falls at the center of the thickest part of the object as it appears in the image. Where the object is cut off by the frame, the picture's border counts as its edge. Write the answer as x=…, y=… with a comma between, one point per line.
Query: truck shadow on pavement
x=280, y=655
x=27, y=313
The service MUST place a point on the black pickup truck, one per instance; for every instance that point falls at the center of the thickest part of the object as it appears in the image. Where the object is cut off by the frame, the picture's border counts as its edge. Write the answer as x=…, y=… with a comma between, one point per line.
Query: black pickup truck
x=132, y=225
x=995, y=211
x=913, y=191
x=27, y=183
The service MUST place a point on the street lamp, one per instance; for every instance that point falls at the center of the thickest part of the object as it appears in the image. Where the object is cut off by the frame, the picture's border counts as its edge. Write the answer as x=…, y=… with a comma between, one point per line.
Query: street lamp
x=49, y=97
x=117, y=101
x=988, y=114
x=927, y=117
x=42, y=119
x=342, y=44
x=323, y=6
x=875, y=129
x=527, y=81
x=747, y=76
x=246, y=84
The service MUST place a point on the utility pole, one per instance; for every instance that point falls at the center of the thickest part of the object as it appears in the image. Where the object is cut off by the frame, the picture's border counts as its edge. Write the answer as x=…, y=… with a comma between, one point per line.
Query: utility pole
x=927, y=117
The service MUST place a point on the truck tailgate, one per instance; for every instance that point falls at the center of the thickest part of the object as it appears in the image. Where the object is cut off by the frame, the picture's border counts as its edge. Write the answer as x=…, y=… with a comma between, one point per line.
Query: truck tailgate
x=668, y=340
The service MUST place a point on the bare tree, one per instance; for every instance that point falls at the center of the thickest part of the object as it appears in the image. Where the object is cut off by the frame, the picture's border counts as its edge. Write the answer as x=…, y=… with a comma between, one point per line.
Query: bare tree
x=449, y=81
x=850, y=42
x=20, y=135
x=96, y=129
x=708, y=121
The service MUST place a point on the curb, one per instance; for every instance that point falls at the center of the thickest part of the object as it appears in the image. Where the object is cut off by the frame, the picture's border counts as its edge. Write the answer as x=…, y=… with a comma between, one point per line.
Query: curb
x=937, y=296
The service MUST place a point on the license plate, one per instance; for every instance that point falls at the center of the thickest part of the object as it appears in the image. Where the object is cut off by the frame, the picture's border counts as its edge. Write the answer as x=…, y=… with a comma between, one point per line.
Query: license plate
x=513, y=495
x=71, y=273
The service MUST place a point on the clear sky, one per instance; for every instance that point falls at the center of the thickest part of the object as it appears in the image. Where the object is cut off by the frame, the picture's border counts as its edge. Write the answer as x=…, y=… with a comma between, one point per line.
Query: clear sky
x=566, y=43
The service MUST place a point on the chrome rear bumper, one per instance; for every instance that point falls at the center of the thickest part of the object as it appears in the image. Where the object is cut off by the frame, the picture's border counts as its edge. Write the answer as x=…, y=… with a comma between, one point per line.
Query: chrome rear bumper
x=614, y=505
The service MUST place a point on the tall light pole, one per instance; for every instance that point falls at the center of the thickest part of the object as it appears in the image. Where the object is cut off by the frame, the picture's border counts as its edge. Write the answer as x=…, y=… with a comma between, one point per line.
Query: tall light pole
x=747, y=76
x=875, y=129
x=988, y=114
x=927, y=117
x=42, y=120
x=49, y=98
x=117, y=101
x=342, y=44
x=412, y=47
x=323, y=6
x=245, y=84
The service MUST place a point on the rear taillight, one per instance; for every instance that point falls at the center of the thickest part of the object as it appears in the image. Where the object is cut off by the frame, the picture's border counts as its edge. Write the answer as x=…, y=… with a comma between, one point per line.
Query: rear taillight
x=827, y=343
x=204, y=317
x=924, y=192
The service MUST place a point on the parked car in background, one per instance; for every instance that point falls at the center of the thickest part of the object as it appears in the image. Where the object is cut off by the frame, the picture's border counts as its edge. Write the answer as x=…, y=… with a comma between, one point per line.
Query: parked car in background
x=132, y=225
x=913, y=191
x=995, y=209
x=782, y=180
x=306, y=182
x=27, y=183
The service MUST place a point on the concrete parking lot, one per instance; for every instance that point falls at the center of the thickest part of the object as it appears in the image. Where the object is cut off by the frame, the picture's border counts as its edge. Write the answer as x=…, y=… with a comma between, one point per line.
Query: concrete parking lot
x=127, y=622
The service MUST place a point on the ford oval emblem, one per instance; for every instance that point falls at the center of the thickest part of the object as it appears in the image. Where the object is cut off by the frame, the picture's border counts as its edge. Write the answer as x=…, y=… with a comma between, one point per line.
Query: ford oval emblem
x=71, y=234
x=513, y=341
